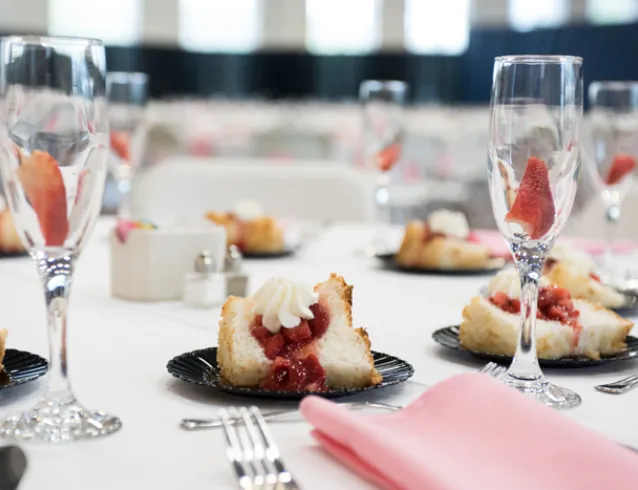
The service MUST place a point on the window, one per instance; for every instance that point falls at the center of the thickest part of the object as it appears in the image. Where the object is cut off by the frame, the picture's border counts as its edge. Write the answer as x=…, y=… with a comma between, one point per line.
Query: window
x=116, y=22
x=612, y=12
x=222, y=26
x=437, y=27
x=527, y=15
x=343, y=26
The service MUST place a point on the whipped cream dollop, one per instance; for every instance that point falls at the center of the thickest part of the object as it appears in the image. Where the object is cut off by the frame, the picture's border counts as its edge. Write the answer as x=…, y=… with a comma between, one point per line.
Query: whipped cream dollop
x=449, y=223
x=248, y=210
x=508, y=281
x=577, y=259
x=284, y=303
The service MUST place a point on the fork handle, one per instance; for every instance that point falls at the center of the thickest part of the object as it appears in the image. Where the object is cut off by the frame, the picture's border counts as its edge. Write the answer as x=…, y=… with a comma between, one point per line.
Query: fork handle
x=619, y=387
x=196, y=424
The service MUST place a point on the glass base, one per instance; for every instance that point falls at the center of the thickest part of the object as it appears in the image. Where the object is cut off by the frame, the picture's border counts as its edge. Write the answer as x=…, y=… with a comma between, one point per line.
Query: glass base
x=56, y=422
x=544, y=392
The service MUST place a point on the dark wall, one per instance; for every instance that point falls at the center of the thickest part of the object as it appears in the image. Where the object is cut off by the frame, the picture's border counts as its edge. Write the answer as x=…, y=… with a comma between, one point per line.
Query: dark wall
x=609, y=53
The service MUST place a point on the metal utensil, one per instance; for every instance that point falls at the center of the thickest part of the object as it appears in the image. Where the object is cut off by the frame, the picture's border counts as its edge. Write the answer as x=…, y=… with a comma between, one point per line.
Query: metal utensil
x=494, y=370
x=619, y=387
x=196, y=424
x=252, y=451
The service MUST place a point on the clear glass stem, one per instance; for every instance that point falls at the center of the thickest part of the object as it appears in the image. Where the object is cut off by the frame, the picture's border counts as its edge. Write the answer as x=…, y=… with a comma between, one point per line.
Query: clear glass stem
x=525, y=364
x=124, y=189
x=382, y=202
x=56, y=274
x=612, y=216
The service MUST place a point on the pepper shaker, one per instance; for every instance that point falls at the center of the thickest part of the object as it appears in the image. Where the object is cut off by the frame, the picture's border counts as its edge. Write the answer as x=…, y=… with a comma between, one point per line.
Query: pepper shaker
x=206, y=286
x=236, y=279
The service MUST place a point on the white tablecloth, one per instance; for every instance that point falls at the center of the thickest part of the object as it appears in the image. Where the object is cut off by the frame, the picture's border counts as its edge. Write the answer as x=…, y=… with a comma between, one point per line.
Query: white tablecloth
x=118, y=353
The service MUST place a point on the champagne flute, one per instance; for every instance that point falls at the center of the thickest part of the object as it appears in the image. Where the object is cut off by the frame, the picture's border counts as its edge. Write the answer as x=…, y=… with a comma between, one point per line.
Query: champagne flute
x=382, y=103
x=55, y=144
x=535, y=123
x=127, y=94
x=613, y=131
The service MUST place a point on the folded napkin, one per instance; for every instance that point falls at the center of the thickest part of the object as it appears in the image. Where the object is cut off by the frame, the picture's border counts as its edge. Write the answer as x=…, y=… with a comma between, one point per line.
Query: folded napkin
x=493, y=240
x=471, y=433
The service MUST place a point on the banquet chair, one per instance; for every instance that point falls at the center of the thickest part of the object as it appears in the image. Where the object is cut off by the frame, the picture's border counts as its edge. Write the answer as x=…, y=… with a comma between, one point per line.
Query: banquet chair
x=180, y=187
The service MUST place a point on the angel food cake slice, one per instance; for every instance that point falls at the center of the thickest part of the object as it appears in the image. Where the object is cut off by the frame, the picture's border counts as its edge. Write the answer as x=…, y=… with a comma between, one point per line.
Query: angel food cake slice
x=565, y=327
x=441, y=243
x=573, y=270
x=291, y=337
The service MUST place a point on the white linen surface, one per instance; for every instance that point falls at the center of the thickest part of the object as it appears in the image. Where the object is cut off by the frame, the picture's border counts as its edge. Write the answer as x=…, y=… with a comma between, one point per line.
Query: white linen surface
x=118, y=353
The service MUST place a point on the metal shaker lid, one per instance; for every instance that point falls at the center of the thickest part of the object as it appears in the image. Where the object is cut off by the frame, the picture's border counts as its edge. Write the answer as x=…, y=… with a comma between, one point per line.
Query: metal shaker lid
x=234, y=259
x=204, y=262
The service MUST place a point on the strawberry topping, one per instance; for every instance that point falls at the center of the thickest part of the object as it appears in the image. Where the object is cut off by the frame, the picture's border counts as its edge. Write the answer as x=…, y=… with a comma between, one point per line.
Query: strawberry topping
x=533, y=206
x=622, y=166
x=43, y=186
x=388, y=157
x=554, y=304
x=295, y=366
x=120, y=144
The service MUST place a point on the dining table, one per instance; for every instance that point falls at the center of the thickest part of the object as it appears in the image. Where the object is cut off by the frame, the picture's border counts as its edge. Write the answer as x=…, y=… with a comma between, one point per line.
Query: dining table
x=118, y=351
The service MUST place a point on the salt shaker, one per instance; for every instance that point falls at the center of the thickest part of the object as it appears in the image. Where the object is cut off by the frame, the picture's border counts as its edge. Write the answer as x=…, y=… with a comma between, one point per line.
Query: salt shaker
x=236, y=279
x=206, y=286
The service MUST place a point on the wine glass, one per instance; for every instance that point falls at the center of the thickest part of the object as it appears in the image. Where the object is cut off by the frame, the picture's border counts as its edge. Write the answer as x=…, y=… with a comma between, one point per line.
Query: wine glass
x=613, y=131
x=534, y=159
x=55, y=144
x=127, y=94
x=382, y=103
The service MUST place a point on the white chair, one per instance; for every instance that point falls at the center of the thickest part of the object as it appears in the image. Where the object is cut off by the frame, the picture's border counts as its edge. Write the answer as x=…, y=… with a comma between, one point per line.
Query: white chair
x=179, y=187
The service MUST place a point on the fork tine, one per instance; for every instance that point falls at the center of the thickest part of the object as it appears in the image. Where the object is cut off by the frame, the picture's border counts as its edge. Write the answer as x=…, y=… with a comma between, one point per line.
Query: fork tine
x=272, y=451
x=269, y=476
x=492, y=369
x=247, y=448
x=234, y=453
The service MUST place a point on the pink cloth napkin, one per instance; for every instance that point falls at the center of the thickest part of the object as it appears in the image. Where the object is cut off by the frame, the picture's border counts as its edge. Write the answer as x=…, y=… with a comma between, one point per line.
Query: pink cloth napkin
x=471, y=433
x=497, y=245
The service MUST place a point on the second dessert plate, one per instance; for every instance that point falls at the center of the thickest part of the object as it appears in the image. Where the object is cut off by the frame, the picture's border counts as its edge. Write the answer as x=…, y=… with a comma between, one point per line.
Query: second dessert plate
x=287, y=252
x=449, y=337
x=387, y=259
x=21, y=367
x=200, y=367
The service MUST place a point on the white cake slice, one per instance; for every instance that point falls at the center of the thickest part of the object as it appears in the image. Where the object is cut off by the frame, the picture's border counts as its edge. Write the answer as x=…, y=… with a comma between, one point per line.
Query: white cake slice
x=343, y=352
x=488, y=328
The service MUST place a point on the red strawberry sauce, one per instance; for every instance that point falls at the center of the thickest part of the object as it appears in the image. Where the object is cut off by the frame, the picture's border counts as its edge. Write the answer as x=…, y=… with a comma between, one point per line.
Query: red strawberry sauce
x=295, y=366
x=554, y=304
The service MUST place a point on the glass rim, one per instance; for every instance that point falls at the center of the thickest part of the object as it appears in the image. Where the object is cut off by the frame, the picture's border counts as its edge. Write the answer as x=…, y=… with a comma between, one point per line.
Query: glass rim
x=385, y=84
x=66, y=41
x=614, y=84
x=539, y=58
x=126, y=76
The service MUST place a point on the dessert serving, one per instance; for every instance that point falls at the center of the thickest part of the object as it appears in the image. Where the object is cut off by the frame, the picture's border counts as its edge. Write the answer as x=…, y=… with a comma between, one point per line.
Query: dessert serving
x=565, y=327
x=248, y=228
x=290, y=336
x=442, y=243
x=573, y=270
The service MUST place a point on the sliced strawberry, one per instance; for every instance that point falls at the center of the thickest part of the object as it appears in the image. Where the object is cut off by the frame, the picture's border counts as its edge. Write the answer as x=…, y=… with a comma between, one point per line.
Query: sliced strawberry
x=300, y=333
x=274, y=346
x=533, y=206
x=620, y=167
x=44, y=187
x=261, y=333
x=319, y=324
x=388, y=157
x=120, y=144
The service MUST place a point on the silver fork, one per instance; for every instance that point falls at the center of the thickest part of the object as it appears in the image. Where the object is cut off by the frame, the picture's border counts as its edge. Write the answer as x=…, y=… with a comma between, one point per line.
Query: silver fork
x=252, y=451
x=494, y=370
x=619, y=387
